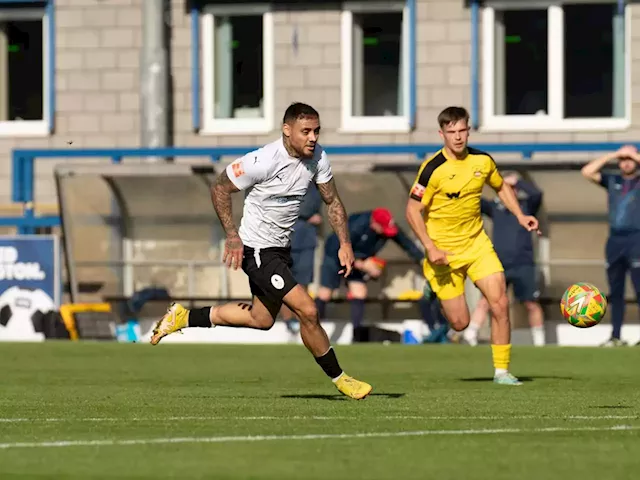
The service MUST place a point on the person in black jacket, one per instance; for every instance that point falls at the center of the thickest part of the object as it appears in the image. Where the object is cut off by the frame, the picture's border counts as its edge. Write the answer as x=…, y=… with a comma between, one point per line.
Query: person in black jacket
x=514, y=247
x=369, y=232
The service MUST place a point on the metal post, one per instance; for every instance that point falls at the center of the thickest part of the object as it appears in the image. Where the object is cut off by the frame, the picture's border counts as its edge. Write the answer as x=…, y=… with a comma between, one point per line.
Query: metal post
x=29, y=196
x=67, y=241
x=154, y=80
x=128, y=279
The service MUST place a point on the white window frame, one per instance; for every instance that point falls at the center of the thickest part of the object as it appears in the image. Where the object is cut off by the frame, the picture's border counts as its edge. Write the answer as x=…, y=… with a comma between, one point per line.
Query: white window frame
x=236, y=126
x=380, y=124
x=31, y=128
x=553, y=120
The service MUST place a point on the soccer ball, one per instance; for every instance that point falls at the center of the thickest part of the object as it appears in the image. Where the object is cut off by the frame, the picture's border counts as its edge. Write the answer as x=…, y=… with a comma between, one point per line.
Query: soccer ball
x=583, y=305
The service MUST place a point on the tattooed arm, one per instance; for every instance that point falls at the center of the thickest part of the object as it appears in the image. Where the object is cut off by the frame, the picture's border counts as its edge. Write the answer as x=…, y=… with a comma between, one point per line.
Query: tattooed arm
x=335, y=210
x=221, y=192
x=339, y=222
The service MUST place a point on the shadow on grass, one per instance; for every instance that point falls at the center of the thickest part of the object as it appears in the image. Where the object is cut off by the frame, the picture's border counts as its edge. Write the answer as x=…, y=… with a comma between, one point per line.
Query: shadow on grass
x=338, y=396
x=612, y=407
x=522, y=379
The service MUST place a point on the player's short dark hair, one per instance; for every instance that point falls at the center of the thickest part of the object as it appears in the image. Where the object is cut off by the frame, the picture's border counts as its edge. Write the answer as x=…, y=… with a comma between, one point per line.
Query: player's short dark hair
x=452, y=115
x=298, y=110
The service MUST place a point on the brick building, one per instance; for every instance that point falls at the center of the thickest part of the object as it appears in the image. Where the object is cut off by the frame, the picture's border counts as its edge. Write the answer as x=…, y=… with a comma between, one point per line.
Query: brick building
x=557, y=71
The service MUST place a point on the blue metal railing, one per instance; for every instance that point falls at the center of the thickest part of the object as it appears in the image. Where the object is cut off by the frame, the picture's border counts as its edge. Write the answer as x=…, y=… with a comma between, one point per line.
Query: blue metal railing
x=23, y=164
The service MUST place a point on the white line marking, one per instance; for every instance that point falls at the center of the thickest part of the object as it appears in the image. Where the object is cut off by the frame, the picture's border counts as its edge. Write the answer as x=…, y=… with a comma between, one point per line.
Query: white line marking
x=326, y=418
x=264, y=438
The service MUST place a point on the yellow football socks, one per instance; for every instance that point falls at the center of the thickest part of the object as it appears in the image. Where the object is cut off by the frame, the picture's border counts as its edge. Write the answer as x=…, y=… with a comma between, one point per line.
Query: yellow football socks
x=501, y=356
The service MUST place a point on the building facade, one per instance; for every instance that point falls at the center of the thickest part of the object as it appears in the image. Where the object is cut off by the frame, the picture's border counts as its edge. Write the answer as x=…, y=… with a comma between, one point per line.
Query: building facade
x=378, y=72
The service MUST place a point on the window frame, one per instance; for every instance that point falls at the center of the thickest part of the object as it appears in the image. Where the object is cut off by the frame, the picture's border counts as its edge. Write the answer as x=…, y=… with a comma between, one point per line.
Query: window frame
x=236, y=126
x=378, y=124
x=33, y=128
x=553, y=121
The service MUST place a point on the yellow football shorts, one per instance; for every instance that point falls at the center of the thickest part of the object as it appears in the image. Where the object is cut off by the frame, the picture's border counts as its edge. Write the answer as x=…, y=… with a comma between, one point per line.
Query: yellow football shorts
x=477, y=262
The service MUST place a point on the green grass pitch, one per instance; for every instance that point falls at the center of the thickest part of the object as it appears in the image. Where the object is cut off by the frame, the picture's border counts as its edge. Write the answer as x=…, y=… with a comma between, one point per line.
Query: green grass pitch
x=88, y=410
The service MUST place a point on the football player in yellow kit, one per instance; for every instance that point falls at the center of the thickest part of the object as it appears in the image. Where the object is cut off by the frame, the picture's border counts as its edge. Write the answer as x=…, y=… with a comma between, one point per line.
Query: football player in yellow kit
x=444, y=212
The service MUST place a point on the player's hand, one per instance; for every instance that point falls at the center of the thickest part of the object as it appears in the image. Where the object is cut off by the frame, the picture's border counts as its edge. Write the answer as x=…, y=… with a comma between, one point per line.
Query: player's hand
x=530, y=223
x=233, y=251
x=627, y=151
x=373, y=266
x=315, y=219
x=511, y=179
x=438, y=257
x=346, y=257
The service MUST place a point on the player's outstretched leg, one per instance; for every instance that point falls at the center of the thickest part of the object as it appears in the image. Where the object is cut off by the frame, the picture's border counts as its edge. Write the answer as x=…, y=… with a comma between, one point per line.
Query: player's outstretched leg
x=177, y=317
x=261, y=317
x=317, y=342
x=494, y=289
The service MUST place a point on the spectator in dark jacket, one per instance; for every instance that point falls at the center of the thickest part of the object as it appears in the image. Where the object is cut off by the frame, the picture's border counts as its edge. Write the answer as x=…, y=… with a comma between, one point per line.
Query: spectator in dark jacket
x=514, y=246
x=369, y=232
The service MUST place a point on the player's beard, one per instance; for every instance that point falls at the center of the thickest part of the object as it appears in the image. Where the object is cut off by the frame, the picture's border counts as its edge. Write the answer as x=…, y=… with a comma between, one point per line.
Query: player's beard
x=307, y=151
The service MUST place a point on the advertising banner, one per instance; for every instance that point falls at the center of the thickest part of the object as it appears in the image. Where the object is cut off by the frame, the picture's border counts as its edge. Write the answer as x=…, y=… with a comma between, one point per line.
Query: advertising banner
x=29, y=285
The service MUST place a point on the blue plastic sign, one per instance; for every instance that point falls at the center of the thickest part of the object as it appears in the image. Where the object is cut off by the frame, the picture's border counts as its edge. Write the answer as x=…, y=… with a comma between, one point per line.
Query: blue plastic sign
x=31, y=262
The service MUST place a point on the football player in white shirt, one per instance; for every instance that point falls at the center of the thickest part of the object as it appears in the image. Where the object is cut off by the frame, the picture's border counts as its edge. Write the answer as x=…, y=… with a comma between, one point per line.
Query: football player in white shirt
x=275, y=178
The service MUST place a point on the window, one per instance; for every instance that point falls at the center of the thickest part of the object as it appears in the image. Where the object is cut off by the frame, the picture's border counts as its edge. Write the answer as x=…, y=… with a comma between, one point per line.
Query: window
x=555, y=66
x=521, y=89
x=375, y=68
x=237, y=70
x=23, y=72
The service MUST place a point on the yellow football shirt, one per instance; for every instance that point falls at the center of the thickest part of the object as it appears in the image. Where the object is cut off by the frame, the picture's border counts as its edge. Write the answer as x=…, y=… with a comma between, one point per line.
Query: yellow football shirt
x=451, y=190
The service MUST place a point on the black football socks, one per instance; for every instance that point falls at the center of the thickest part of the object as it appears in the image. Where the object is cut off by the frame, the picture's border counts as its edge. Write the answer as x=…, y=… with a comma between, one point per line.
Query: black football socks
x=329, y=363
x=199, y=317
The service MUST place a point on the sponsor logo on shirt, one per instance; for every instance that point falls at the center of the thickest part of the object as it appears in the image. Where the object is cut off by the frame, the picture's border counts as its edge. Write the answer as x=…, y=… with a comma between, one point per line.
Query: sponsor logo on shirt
x=237, y=169
x=286, y=198
x=418, y=190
